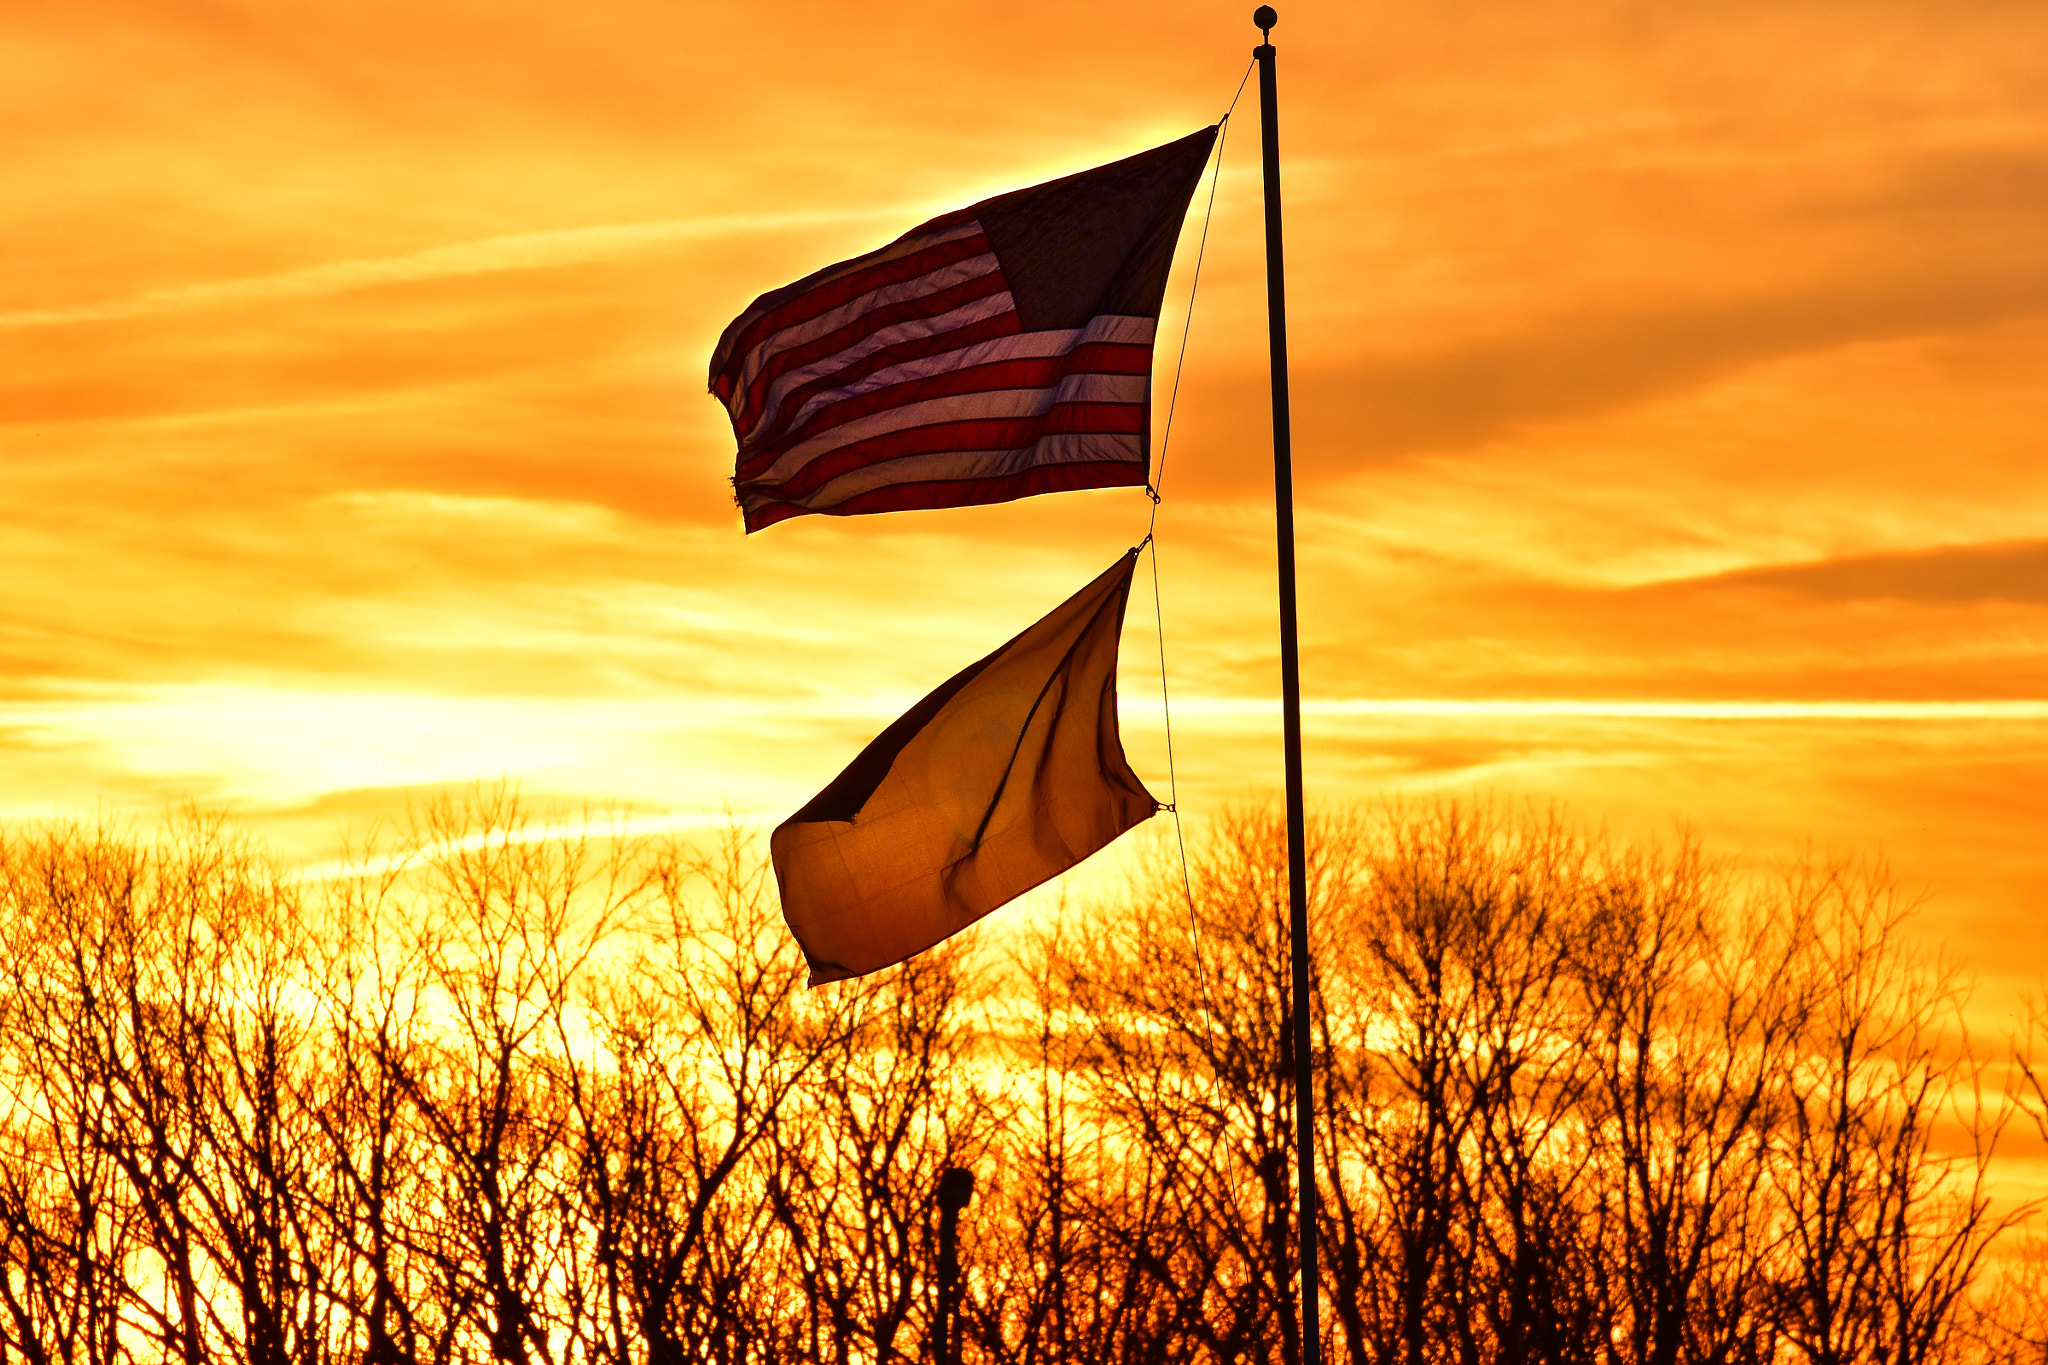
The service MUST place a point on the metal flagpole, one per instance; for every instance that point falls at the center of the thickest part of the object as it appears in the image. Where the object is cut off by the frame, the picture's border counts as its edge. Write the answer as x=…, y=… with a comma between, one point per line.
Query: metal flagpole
x=1290, y=687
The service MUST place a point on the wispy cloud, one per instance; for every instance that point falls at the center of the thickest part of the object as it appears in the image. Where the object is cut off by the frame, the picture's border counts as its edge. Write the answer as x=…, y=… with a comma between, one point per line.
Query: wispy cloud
x=2011, y=572
x=596, y=827
x=486, y=255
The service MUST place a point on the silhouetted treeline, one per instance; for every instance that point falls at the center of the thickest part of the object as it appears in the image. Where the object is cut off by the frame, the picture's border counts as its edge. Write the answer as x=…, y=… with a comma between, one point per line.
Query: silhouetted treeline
x=555, y=1100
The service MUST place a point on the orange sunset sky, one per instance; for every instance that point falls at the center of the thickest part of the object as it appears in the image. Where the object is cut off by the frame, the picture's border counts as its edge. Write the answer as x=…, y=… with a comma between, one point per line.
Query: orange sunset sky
x=1670, y=426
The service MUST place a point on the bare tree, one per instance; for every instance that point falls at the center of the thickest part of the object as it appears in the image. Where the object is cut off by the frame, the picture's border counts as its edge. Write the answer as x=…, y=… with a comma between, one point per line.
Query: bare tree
x=703, y=1034
x=859, y=1149
x=2008, y=1325
x=1695, y=1017
x=1885, y=1232
x=541, y=1095
x=1186, y=994
x=1458, y=1078
x=508, y=926
x=370, y=983
x=68, y=1237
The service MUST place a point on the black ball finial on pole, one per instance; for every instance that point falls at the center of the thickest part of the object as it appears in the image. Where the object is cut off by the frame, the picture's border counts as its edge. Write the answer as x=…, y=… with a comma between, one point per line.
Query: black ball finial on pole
x=1263, y=19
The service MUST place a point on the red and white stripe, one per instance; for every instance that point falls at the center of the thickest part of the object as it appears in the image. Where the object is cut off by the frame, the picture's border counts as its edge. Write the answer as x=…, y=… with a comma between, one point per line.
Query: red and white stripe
x=903, y=379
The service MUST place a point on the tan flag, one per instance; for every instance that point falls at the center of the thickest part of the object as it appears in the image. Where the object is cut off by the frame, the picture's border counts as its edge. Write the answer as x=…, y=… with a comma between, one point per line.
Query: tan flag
x=1005, y=777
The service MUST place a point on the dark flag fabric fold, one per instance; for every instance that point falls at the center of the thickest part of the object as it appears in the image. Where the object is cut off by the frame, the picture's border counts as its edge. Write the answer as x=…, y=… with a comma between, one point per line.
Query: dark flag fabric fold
x=1007, y=775
x=995, y=352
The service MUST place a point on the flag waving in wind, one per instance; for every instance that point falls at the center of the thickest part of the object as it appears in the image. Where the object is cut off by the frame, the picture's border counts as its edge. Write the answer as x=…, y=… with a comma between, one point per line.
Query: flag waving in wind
x=995, y=352
x=1006, y=776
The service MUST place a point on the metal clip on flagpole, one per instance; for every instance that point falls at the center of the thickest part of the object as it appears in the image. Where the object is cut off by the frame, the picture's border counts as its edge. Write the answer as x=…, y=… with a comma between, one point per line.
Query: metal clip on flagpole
x=1290, y=687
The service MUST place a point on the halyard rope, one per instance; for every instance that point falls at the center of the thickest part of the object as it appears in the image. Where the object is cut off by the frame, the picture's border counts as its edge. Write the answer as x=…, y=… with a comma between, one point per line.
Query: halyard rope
x=1151, y=539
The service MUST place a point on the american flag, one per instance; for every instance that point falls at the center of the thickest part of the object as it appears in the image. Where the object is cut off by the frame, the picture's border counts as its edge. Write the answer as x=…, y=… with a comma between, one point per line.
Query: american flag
x=995, y=352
